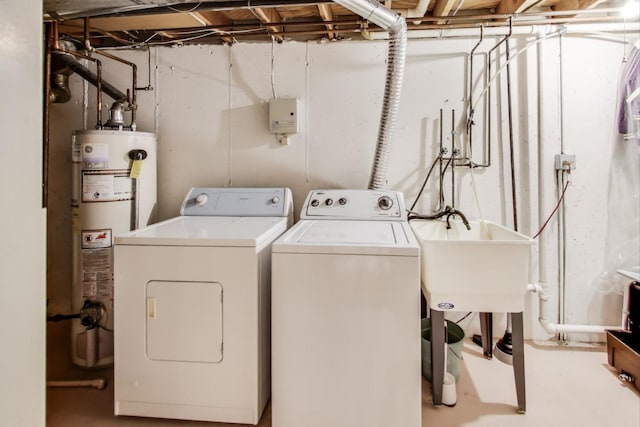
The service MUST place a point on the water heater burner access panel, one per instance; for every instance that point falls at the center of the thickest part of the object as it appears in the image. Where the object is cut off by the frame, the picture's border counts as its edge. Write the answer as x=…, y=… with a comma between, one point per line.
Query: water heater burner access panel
x=354, y=204
x=263, y=202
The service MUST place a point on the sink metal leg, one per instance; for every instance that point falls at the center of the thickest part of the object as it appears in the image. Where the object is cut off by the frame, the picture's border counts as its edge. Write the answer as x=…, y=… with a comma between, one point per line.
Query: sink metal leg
x=437, y=355
x=486, y=332
x=517, y=343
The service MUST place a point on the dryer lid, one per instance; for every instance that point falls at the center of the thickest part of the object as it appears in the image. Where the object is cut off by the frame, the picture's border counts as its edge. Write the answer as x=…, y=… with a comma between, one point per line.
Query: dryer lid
x=207, y=231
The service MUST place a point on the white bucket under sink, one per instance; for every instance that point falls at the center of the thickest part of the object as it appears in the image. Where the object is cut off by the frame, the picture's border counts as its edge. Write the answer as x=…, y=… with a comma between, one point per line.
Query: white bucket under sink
x=484, y=269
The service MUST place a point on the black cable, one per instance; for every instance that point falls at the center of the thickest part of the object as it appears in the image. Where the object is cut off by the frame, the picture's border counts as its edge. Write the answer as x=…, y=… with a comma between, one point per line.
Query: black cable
x=61, y=317
x=424, y=183
x=463, y=317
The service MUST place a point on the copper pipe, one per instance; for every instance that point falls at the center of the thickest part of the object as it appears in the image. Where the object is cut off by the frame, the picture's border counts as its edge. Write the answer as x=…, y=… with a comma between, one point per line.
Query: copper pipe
x=134, y=86
x=54, y=30
x=50, y=31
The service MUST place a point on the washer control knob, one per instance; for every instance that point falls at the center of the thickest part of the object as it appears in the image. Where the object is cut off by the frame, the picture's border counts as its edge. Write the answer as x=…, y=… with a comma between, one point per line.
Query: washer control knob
x=315, y=203
x=385, y=202
x=342, y=201
x=328, y=202
x=275, y=200
x=202, y=199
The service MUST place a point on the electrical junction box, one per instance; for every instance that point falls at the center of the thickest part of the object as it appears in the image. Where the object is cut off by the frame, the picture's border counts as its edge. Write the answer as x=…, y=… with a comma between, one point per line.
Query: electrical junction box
x=283, y=116
x=565, y=162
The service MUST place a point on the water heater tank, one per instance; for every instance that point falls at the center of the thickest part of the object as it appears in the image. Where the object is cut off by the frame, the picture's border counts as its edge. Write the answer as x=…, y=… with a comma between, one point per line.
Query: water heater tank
x=114, y=191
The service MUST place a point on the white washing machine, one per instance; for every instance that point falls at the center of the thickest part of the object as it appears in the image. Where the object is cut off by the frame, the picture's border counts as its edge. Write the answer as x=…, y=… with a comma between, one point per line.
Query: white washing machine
x=192, y=308
x=345, y=328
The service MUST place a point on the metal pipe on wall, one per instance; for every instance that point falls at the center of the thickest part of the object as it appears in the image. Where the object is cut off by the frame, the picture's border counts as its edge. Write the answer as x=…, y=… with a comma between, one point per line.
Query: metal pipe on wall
x=542, y=286
x=134, y=85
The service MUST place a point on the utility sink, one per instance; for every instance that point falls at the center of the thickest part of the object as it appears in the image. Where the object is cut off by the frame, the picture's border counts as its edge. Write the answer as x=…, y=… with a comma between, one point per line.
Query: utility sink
x=484, y=269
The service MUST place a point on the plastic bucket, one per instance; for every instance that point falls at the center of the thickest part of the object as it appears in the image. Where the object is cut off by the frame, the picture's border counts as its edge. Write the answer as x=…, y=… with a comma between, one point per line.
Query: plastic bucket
x=455, y=341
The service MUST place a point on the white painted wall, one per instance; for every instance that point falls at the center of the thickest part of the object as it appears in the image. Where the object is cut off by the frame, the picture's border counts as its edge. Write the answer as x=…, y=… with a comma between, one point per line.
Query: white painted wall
x=209, y=109
x=22, y=224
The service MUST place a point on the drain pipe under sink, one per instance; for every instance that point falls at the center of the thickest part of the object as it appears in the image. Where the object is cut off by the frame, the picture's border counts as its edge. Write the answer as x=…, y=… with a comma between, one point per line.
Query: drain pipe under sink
x=396, y=26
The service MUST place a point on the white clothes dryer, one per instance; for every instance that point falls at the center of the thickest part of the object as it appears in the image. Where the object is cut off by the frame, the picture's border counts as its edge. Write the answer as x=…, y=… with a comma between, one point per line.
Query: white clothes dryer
x=346, y=314
x=192, y=308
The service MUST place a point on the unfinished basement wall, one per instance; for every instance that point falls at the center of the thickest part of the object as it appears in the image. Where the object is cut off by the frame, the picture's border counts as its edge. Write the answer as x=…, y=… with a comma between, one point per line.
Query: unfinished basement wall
x=209, y=108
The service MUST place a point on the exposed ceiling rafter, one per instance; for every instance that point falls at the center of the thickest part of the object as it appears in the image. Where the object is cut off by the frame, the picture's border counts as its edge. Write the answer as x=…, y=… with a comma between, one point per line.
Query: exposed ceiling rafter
x=327, y=15
x=269, y=15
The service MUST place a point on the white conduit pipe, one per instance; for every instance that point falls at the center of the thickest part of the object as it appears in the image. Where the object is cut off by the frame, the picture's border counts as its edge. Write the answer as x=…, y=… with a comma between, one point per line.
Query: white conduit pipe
x=554, y=328
x=542, y=287
x=500, y=31
x=389, y=21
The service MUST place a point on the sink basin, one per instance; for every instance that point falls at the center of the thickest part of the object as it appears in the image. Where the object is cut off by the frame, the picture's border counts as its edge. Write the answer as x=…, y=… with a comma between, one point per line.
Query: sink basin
x=484, y=269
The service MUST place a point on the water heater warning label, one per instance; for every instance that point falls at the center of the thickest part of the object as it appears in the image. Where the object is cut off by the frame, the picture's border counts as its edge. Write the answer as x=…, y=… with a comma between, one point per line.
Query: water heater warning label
x=106, y=186
x=97, y=272
x=94, y=239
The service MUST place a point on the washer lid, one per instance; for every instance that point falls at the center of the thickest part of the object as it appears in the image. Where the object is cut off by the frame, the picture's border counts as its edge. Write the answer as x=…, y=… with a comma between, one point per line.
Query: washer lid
x=207, y=231
x=349, y=237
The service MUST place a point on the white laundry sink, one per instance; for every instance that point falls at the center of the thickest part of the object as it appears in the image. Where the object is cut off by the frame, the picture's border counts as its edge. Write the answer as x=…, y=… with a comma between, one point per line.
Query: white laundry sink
x=484, y=269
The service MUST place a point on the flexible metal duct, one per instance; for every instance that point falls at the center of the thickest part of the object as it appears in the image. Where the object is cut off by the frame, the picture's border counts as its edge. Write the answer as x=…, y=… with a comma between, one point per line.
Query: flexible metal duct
x=391, y=22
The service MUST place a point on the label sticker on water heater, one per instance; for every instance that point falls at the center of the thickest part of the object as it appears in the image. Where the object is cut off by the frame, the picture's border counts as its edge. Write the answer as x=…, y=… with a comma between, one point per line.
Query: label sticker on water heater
x=94, y=239
x=95, y=156
x=106, y=186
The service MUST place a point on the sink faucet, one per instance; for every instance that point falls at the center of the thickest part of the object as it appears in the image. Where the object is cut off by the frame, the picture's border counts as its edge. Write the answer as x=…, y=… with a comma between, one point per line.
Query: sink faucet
x=449, y=211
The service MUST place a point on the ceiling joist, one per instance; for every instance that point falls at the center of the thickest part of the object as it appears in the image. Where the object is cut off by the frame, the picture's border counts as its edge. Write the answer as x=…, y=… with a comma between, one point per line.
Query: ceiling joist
x=269, y=15
x=327, y=15
x=443, y=8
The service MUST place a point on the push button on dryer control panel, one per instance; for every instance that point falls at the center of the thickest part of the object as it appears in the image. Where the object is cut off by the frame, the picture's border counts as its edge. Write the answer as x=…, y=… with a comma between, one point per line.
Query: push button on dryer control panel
x=201, y=199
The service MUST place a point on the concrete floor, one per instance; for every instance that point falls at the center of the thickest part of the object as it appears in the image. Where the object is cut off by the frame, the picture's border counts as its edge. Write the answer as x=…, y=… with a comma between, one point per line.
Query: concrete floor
x=566, y=386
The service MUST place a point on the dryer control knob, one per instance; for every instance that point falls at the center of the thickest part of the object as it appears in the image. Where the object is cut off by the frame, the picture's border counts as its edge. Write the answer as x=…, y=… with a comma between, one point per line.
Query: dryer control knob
x=328, y=202
x=315, y=203
x=385, y=202
x=201, y=199
x=275, y=200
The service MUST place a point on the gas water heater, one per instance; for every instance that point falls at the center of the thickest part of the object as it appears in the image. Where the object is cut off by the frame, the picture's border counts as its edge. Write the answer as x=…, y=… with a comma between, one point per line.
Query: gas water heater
x=114, y=191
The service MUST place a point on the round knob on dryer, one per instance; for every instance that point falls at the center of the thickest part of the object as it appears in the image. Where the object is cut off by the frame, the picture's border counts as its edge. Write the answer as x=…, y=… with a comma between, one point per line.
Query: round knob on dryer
x=275, y=200
x=385, y=202
x=315, y=203
x=328, y=202
x=201, y=199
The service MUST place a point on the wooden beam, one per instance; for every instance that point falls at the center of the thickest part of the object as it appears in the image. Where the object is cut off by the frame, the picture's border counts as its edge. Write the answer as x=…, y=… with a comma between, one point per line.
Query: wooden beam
x=443, y=8
x=212, y=19
x=269, y=15
x=576, y=4
x=514, y=6
x=327, y=15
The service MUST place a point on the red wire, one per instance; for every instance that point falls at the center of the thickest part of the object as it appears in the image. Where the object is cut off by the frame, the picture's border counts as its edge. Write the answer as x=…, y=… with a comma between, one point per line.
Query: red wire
x=554, y=210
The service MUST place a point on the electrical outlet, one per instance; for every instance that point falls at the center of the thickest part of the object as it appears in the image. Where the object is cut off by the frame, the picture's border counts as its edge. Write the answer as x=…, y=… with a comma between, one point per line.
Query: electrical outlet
x=565, y=162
